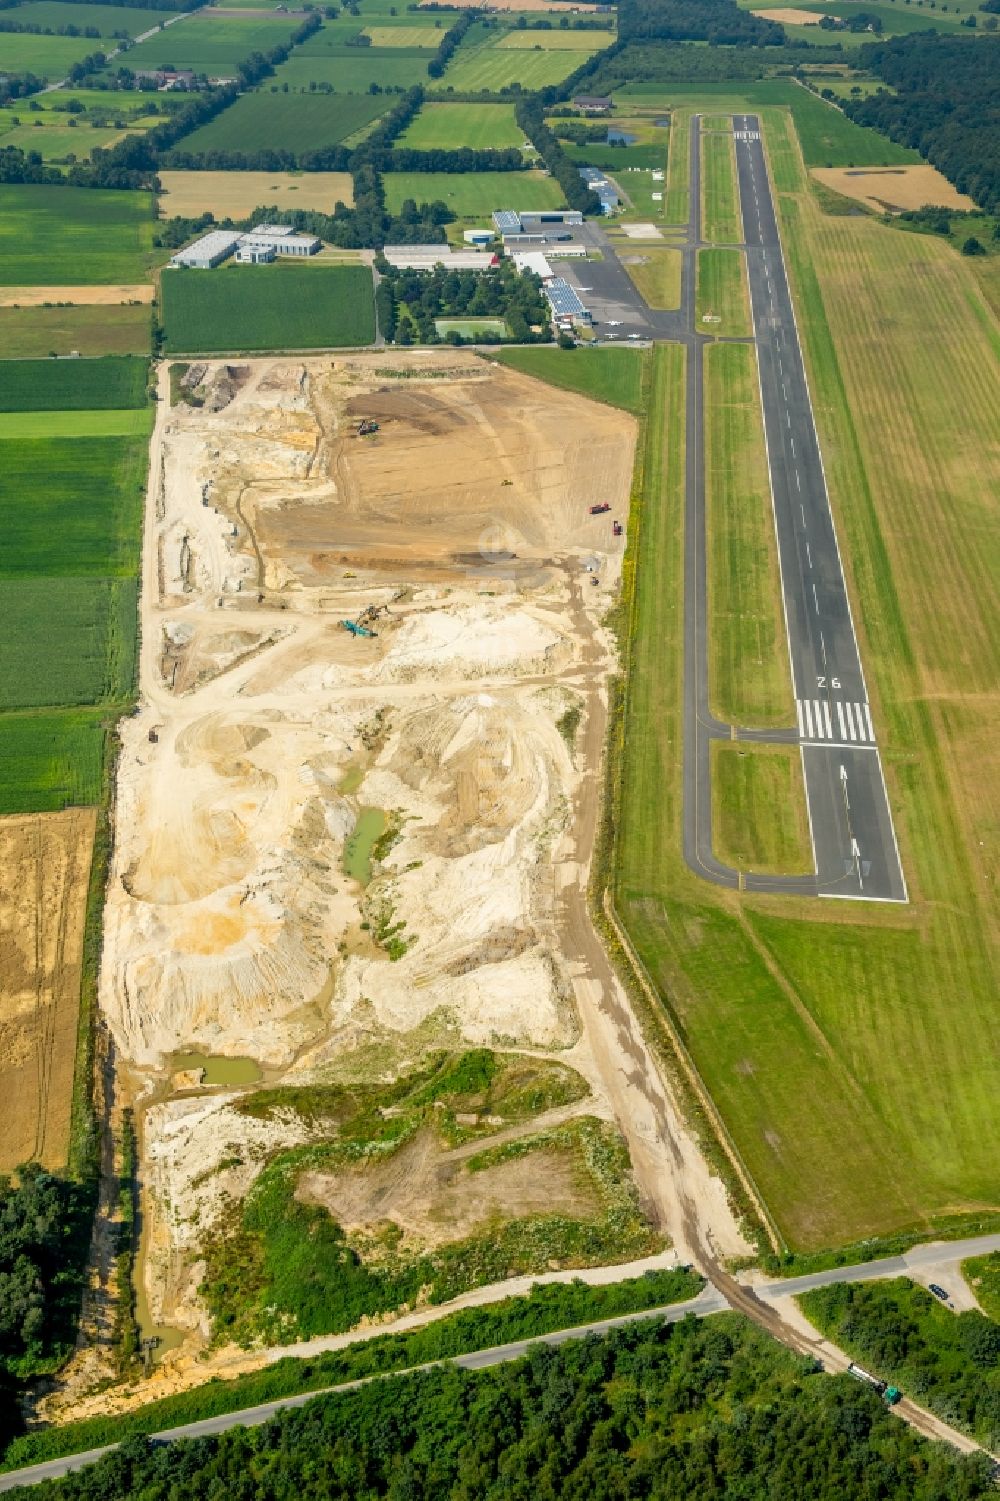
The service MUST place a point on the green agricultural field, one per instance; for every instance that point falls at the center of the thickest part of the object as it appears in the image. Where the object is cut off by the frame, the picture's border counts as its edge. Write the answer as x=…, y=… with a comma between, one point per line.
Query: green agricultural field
x=48, y=57
x=214, y=44
x=286, y=122
x=473, y=194
x=759, y=818
x=55, y=141
x=66, y=641
x=75, y=424
x=44, y=385
x=30, y=333
x=493, y=67
x=108, y=19
x=52, y=236
x=616, y=376
x=51, y=760
x=71, y=506
x=403, y=36
x=557, y=41
x=267, y=307
x=351, y=70
x=749, y=676
x=827, y=137
x=722, y=301
x=447, y=127
x=656, y=272
x=720, y=206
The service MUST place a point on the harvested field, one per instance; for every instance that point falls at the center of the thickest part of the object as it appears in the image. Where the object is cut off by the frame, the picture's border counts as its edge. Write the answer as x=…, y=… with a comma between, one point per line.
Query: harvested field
x=518, y=5
x=791, y=17
x=78, y=296
x=893, y=189
x=44, y=871
x=235, y=195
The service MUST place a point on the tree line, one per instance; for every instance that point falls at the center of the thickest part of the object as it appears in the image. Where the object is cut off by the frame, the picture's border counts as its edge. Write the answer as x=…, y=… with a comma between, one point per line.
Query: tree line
x=945, y=105
x=451, y=40
x=702, y=1409
x=497, y=292
x=530, y=114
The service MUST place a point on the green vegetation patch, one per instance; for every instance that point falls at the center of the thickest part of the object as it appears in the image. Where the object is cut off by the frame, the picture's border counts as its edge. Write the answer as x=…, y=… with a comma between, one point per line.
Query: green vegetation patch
x=48, y=57
x=213, y=44
x=51, y=760
x=66, y=641
x=286, y=122
x=722, y=300
x=695, y=1409
x=493, y=68
x=52, y=236
x=107, y=19
x=267, y=307
x=656, y=273
x=353, y=70
x=982, y=1273
x=546, y=1307
x=616, y=376
x=102, y=424
x=71, y=506
x=45, y=385
x=749, y=675
x=473, y=194
x=449, y=127
x=284, y=1268
x=759, y=820
x=720, y=209
x=949, y=1362
x=34, y=332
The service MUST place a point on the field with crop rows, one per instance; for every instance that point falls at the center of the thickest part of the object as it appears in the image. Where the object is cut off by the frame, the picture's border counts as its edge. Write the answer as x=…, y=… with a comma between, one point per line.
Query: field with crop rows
x=267, y=307
x=286, y=122
x=214, y=44
x=71, y=506
x=51, y=759
x=66, y=641
x=473, y=194
x=52, y=236
x=494, y=67
x=45, y=385
x=447, y=127
x=352, y=70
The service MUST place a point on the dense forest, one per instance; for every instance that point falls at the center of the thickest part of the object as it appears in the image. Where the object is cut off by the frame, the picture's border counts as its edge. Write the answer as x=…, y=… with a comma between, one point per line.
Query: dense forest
x=684, y=1412
x=499, y=292
x=718, y=22
x=946, y=105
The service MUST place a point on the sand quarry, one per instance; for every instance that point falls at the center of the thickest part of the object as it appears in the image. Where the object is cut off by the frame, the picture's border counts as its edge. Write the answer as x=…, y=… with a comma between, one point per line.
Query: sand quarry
x=266, y=730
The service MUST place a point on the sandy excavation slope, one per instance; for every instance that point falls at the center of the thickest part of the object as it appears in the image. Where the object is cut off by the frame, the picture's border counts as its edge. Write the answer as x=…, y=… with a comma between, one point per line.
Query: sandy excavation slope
x=231, y=926
x=44, y=872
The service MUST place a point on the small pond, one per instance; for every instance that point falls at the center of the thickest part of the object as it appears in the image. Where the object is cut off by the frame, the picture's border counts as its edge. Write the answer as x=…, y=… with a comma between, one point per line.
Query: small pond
x=621, y=138
x=358, y=850
x=216, y=1069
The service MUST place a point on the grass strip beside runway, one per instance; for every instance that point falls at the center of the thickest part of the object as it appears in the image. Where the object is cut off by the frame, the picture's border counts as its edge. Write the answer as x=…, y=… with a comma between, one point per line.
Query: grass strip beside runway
x=677, y=200
x=720, y=209
x=656, y=273
x=759, y=819
x=722, y=300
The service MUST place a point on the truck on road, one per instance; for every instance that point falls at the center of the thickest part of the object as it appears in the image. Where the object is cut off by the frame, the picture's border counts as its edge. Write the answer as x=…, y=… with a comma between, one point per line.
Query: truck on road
x=889, y=1394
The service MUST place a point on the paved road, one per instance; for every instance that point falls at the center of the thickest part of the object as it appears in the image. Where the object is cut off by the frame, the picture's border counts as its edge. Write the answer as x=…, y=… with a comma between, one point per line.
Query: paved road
x=710, y=1300
x=854, y=842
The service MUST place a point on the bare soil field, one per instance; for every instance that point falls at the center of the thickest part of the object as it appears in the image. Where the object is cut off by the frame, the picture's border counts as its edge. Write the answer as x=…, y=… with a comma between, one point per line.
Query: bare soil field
x=44, y=872
x=235, y=195
x=790, y=17
x=892, y=189
x=83, y=296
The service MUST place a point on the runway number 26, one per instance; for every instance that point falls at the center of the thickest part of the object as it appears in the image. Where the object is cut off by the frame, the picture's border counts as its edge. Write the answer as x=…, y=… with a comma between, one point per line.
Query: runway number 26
x=821, y=682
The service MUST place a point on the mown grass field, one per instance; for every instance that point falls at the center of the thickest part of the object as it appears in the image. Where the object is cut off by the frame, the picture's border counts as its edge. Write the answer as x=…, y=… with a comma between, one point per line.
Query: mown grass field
x=656, y=272
x=55, y=141
x=286, y=122
x=827, y=137
x=448, y=127
x=850, y=1049
x=403, y=36
x=749, y=675
x=473, y=194
x=720, y=204
x=267, y=307
x=612, y=375
x=32, y=333
x=44, y=385
x=128, y=423
x=557, y=41
x=211, y=43
x=759, y=819
x=71, y=506
x=48, y=57
x=351, y=70
x=107, y=19
x=51, y=236
x=493, y=67
x=677, y=197
x=722, y=299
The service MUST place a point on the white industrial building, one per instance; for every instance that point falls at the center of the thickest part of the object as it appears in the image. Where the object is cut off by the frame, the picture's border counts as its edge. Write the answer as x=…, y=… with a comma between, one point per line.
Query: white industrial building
x=565, y=303
x=426, y=257
x=532, y=260
x=257, y=246
x=478, y=236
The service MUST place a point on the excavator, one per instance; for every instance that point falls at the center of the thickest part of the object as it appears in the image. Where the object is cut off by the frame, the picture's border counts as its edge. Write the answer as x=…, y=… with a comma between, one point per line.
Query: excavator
x=362, y=626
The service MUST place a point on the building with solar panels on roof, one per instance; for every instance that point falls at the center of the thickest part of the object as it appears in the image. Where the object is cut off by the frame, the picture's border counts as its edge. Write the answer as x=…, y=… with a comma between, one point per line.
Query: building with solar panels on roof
x=565, y=302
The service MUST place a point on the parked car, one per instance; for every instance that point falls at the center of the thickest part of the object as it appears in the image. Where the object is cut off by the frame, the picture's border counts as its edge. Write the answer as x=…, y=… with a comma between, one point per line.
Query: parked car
x=938, y=1292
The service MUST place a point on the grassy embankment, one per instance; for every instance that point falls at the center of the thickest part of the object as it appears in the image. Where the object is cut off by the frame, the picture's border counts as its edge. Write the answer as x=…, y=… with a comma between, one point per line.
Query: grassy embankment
x=884, y=1016
x=749, y=674
x=722, y=301
x=720, y=206
x=545, y=1308
x=948, y=1362
x=267, y=307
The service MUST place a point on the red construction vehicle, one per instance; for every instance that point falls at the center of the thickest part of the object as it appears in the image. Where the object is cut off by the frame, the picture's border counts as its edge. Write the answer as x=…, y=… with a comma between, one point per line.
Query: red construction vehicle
x=617, y=528
x=599, y=510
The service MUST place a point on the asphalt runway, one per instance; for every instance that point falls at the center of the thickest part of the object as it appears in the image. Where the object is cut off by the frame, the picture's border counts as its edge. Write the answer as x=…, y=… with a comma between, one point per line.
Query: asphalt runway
x=853, y=839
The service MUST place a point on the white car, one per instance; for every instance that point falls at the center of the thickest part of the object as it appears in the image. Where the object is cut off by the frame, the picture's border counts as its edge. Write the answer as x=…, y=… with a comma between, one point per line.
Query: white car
x=614, y=323
x=635, y=336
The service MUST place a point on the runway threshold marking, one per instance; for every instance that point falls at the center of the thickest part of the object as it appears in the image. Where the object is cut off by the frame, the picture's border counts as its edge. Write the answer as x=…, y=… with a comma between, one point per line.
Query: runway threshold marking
x=854, y=721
